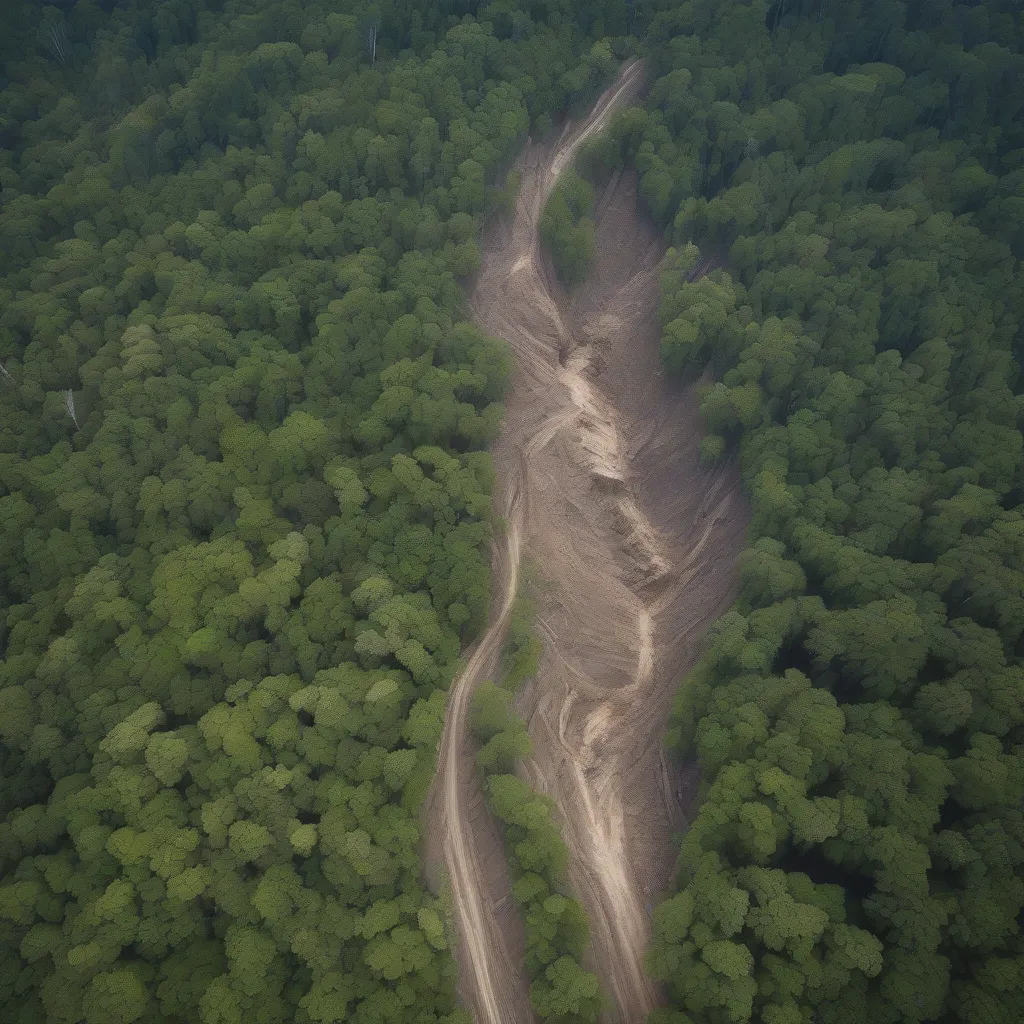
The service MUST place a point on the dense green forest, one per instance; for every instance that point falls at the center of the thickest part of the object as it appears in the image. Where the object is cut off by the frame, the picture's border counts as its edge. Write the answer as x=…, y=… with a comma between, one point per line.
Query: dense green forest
x=856, y=170
x=244, y=491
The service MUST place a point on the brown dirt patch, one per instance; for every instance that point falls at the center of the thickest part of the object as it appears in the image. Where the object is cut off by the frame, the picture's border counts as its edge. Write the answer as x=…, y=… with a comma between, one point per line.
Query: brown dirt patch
x=600, y=484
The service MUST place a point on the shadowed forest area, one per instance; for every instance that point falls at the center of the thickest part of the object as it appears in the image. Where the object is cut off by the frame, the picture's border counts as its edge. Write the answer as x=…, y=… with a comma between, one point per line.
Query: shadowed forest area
x=245, y=491
x=857, y=171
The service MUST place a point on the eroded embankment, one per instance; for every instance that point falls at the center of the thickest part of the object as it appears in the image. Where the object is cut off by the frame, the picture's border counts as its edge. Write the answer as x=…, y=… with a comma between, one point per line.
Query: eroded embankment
x=600, y=486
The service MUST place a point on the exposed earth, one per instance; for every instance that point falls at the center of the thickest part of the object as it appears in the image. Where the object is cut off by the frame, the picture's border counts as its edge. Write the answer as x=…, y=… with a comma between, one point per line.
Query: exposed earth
x=602, y=493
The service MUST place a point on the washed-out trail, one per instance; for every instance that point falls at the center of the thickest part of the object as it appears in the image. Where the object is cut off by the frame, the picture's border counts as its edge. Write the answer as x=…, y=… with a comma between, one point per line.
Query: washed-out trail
x=600, y=488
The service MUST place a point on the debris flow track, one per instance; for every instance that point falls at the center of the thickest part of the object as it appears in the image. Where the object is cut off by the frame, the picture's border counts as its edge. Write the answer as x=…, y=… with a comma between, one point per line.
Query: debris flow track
x=600, y=487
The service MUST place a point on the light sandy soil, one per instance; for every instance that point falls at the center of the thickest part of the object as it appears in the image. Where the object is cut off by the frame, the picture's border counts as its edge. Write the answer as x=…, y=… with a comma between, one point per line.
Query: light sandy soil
x=601, y=490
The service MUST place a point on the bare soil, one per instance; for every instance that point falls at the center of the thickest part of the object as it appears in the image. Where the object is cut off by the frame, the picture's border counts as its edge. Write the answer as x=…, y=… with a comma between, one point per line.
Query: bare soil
x=601, y=489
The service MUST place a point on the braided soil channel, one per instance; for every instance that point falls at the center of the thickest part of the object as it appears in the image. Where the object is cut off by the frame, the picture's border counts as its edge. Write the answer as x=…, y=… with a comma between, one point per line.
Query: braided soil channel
x=601, y=489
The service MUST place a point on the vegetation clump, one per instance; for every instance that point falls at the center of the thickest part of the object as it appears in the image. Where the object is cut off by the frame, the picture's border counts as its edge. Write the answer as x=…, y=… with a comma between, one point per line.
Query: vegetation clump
x=561, y=990
x=567, y=228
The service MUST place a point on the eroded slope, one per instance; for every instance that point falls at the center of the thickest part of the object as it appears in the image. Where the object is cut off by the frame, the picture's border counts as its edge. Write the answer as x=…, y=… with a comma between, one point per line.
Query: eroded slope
x=600, y=487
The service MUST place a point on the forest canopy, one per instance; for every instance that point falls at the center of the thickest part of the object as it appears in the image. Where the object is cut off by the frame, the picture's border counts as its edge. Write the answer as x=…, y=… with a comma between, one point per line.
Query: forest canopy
x=244, y=487
x=854, y=176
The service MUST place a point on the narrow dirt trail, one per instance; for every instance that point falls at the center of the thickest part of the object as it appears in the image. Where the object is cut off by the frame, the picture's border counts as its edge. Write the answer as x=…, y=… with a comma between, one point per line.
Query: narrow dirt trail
x=601, y=489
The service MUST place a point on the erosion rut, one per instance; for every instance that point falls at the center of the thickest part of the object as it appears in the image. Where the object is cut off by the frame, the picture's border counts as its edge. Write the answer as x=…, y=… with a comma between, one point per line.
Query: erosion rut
x=600, y=488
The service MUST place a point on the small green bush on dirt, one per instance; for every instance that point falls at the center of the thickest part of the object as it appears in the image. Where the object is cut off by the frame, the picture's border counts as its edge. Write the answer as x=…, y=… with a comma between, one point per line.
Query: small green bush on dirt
x=567, y=228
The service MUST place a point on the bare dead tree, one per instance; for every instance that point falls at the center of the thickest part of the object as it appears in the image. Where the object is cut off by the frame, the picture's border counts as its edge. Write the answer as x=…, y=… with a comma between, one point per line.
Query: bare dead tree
x=53, y=35
x=6, y=375
x=371, y=41
x=69, y=402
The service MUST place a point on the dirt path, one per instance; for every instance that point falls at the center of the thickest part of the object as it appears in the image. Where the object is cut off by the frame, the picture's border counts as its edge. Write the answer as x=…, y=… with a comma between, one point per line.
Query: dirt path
x=601, y=488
